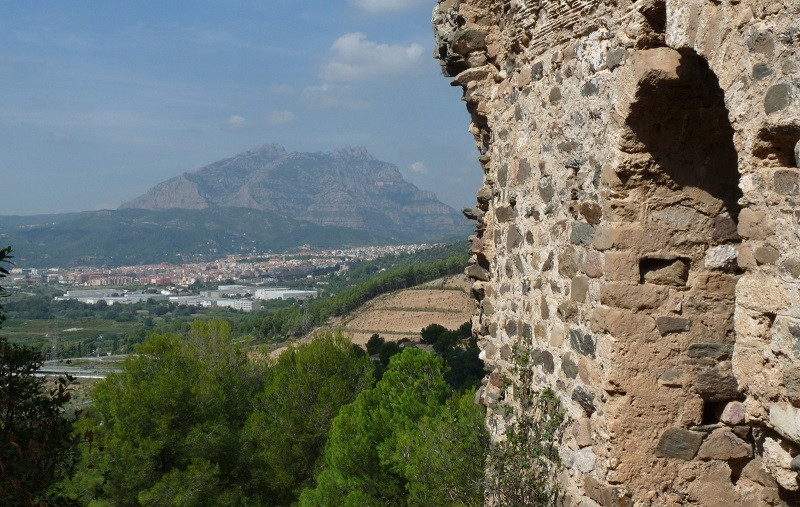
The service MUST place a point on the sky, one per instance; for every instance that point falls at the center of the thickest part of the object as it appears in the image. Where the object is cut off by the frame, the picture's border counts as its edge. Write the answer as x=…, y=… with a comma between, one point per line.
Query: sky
x=101, y=100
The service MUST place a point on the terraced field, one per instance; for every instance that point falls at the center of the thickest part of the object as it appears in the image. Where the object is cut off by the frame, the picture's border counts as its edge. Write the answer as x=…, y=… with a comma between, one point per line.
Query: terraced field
x=405, y=313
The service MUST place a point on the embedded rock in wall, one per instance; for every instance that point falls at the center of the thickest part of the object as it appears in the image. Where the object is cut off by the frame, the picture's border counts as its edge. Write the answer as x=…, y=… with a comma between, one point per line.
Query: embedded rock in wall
x=639, y=226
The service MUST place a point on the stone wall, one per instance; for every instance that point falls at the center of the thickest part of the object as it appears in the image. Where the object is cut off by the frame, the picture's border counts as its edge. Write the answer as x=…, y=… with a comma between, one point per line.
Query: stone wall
x=638, y=235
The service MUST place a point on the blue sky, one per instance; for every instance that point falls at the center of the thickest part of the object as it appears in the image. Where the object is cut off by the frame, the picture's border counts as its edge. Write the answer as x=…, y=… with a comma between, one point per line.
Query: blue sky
x=101, y=100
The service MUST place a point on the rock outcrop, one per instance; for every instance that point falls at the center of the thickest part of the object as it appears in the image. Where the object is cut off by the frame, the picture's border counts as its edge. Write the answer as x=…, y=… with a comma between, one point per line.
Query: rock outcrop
x=639, y=223
x=346, y=188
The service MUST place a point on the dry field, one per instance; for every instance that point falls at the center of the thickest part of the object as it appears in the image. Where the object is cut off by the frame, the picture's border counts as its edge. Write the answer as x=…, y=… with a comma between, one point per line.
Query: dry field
x=405, y=313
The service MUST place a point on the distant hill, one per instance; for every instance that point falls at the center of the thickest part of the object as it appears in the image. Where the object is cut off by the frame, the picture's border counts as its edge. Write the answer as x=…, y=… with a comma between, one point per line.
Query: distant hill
x=346, y=188
x=136, y=236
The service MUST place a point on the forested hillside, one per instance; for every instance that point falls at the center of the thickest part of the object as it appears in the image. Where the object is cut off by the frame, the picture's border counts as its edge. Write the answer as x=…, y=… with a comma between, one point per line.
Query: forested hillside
x=192, y=421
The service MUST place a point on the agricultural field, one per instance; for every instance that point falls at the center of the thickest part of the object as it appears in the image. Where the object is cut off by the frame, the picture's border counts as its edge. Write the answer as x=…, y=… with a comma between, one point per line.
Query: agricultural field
x=403, y=314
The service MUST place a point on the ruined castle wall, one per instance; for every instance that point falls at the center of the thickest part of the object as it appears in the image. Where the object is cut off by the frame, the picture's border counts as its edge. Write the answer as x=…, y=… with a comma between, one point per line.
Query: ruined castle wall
x=638, y=236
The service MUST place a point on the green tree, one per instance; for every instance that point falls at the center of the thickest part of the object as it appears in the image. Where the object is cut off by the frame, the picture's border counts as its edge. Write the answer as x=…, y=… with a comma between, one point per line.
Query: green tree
x=287, y=431
x=173, y=418
x=375, y=344
x=432, y=333
x=37, y=448
x=368, y=450
x=445, y=455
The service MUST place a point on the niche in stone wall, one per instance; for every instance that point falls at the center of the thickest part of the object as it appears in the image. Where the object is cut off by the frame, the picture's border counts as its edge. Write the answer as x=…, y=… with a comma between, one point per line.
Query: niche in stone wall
x=683, y=124
x=682, y=167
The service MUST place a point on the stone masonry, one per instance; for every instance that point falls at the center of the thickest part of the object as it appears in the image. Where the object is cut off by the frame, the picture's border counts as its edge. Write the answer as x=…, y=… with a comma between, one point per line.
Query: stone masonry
x=638, y=236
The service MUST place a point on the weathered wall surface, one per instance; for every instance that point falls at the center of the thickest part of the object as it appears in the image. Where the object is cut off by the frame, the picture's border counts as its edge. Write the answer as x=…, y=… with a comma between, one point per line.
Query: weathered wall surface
x=638, y=235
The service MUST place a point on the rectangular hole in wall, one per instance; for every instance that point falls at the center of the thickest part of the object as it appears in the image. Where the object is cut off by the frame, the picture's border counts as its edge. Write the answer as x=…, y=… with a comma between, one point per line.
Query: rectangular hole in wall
x=661, y=271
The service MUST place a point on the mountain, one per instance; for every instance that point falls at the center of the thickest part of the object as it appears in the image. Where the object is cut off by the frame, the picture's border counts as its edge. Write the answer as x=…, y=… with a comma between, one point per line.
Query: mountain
x=136, y=236
x=347, y=188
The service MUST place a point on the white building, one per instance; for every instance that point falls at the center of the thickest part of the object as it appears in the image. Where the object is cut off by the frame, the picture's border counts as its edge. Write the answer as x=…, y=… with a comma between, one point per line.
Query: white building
x=284, y=293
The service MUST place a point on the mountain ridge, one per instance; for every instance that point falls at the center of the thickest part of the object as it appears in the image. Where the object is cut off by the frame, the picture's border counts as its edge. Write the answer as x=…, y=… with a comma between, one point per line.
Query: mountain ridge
x=348, y=187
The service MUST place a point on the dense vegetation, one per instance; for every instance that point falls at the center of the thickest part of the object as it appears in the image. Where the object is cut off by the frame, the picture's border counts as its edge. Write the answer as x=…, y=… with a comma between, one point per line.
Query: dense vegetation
x=37, y=446
x=410, y=440
x=192, y=421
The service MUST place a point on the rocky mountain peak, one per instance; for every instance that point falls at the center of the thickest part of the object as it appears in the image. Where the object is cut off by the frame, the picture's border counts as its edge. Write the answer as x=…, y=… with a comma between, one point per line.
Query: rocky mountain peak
x=347, y=187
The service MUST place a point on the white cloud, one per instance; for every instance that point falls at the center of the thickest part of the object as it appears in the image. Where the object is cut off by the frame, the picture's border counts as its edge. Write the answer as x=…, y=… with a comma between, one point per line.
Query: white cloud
x=235, y=122
x=280, y=117
x=377, y=6
x=417, y=168
x=355, y=57
x=332, y=97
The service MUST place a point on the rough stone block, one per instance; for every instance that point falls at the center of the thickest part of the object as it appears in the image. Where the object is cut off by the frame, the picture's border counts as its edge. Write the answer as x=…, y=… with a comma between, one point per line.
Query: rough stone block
x=504, y=213
x=753, y=224
x=724, y=445
x=582, y=234
x=754, y=472
x=763, y=294
x=679, y=443
x=717, y=351
x=593, y=264
x=725, y=229
x=608, y=496
x=544, y=359
x=603, y=238
x=591, y=211
x=582, y=432
x=568, y=262
x=579, y=288
x=477, y=273
x=713, y=385
x=584, y=460
x=797, y=154
x=513, y=238
x=674, y=273
x=546, y=191
x=778, y=98
x=569, y=367
x=721, y=257
x=473, y=213
x=733, y=414
x=583, y=343
x=667, y=325
x=766, y=254
x=778, y=462
x=785, y=419
x=671, y=378
x=791, y=380
x=786, y=182
x=622, y=266
x=633, y=297
x=621, y=322
x=585, y=398
x=616, y=57
x=468, y=40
